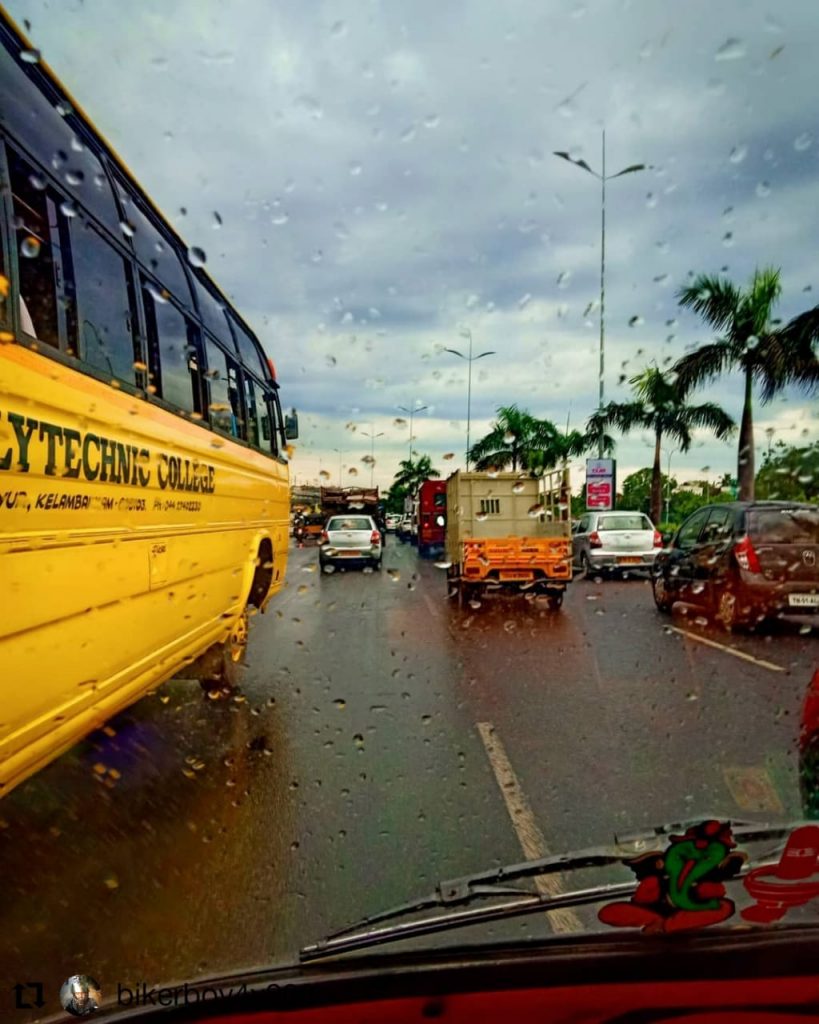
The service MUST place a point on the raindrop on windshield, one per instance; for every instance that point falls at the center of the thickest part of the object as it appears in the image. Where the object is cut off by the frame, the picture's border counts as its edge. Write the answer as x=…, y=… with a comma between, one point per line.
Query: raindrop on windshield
x=731, y=49
x=563, y=279
x=636, y=321
x=127, y=228
x=330, y=360
x=156, y=293
x=763, y=189
x=481, y=516
x=803, y=142
x=738, y=154
x=399, y=422
x=355, y=168
x=30, y=56
x=217, y=219
x=30, y=247
x=37, y=181
x=535, y=511
x=74, y=177
x=196, y=257
x=651, y=200
x=68, y=208
x=448, y=456
x=352, y=471
x=518, y=488
x=728, y=239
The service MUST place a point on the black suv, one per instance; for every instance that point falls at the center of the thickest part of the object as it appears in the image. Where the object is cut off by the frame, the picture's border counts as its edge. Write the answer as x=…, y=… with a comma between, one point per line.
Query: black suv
x=743, y=562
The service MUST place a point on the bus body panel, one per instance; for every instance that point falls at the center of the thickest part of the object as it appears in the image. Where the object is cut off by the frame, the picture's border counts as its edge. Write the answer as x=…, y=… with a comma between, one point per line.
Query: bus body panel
x=110, y=588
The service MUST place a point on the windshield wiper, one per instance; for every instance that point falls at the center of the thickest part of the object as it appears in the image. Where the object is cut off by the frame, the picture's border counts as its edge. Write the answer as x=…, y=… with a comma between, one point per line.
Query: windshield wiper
x=493, y=884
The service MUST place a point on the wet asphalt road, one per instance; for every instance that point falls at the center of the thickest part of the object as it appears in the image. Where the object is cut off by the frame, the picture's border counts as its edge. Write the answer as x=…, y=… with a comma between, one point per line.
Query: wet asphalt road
x=383, y=741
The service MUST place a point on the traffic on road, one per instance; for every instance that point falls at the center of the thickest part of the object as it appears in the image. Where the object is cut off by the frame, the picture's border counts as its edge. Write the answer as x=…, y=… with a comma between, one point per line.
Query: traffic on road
x=411, y=567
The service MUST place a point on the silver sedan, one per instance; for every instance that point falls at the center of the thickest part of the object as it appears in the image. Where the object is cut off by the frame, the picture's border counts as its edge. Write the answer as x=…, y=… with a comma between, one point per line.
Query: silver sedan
x=614, y=542
x=350, y=540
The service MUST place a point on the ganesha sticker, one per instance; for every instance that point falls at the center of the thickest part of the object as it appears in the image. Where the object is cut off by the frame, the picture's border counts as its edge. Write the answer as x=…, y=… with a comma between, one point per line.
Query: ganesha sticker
x=681, y=888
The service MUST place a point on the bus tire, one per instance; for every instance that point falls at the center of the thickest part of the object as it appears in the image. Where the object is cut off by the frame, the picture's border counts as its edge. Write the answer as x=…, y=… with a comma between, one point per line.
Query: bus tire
x=220, y=667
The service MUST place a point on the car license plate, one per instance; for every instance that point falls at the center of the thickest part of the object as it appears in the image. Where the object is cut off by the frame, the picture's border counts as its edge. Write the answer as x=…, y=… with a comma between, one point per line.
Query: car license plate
x=629, y=560
x=803, y=600
x=349, y=553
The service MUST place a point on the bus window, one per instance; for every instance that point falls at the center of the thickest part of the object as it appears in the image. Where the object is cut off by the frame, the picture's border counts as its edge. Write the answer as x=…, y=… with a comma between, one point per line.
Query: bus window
x=36, y=219
x=225, y=411
x=251, y=355
x=212, y=312
x=254, y=402
x=5, y=284
x=153, y=248
x=173, y=358
x=103, y=296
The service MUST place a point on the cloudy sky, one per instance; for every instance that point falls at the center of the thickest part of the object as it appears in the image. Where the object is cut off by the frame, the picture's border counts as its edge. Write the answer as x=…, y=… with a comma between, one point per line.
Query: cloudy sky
x=384, y=176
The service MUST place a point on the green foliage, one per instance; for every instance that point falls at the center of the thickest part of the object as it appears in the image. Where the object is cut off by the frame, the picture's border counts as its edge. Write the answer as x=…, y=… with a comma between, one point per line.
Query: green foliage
x=411, y=474
x=769, y=354
x=789, y=473
x=519, y=440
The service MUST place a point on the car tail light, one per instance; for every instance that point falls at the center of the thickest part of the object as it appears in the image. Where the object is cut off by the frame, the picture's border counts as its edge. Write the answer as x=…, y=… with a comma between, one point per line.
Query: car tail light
x=746, y=555
x=594, y=540
x=323, y=538
x=375, y=538
x=658, y=539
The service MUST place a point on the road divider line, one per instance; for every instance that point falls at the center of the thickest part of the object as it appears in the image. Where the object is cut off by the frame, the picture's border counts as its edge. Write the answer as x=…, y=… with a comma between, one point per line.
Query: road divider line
x=523, y=821
x=728, y=650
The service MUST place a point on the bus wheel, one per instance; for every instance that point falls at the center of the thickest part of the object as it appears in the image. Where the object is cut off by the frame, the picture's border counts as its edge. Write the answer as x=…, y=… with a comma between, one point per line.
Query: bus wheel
x=220, y=668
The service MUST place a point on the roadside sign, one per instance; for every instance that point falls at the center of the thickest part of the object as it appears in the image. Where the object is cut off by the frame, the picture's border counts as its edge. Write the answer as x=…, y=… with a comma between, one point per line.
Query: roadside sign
x=600, y=484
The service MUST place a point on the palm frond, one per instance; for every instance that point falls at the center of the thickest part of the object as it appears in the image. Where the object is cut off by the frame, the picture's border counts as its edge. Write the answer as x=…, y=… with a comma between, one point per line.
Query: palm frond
x=716, y=300
x=788, y=356
x=709, y=415
x=703, y=365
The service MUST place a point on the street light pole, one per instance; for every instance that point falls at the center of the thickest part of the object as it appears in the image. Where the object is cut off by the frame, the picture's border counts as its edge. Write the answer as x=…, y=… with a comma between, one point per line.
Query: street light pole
x=668, y=487
x=340, y=457
x=632, y=168
x=372, y=436
x=470, y=359
x=412, y=411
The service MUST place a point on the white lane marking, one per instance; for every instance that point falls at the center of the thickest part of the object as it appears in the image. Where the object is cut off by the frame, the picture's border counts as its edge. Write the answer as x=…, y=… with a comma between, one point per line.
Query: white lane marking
x=429, y=603
x=523, y=821
x=728, y=650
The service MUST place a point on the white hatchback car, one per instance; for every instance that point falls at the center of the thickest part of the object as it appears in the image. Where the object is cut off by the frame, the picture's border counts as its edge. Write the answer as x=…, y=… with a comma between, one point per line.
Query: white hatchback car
x=614, y=542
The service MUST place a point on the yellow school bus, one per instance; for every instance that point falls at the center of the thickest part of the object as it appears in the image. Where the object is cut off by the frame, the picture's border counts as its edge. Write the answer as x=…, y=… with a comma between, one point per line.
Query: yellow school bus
x=144, y=483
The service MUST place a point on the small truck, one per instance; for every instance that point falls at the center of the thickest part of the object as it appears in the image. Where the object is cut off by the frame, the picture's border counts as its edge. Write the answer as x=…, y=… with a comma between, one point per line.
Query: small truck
x=508, y=532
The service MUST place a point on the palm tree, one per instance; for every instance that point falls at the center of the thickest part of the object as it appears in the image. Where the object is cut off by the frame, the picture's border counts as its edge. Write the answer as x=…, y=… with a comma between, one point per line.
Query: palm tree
x=659, y=405
x=563, y=447
x=769, y=355
x=411, y=474
x=514, y=438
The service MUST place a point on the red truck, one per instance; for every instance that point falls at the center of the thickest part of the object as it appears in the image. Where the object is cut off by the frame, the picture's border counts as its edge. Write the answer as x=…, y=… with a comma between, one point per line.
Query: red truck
x=431, y=515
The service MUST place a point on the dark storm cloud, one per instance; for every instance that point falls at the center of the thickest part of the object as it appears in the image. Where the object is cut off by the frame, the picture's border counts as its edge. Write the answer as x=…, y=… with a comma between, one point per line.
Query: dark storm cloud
x=385, y=177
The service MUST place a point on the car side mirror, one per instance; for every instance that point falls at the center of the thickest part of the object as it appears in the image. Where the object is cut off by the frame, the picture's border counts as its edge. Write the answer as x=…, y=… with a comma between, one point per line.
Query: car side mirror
x=291, y=426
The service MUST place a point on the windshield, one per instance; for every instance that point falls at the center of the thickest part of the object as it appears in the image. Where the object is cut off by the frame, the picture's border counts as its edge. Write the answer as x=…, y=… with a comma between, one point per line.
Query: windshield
x=624, y=523
x=355, y=523
x=556, y=259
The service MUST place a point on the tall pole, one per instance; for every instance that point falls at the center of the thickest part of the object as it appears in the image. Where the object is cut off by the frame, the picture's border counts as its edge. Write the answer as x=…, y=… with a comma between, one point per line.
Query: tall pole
x=469, y=401
x=470, y=359
x=631, y=169
x=601, y=384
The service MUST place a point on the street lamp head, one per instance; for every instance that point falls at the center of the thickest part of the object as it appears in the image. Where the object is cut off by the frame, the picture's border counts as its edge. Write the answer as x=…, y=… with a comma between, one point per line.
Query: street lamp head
x=490, y=353
x=455, y=352
x=629, y=170
x=578, y=163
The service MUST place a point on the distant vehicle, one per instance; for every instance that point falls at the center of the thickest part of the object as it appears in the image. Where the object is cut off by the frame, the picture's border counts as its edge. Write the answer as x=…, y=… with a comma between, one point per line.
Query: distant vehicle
x=431, y=516
x=404, y=528
x=392, y=520
x=350, y=540
x=614, y=542
x=743, y=562
x=511, y=534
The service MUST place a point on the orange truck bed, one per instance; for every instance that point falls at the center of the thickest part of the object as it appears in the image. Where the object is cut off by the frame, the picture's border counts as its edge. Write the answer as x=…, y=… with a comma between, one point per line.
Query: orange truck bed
x=517, y=559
